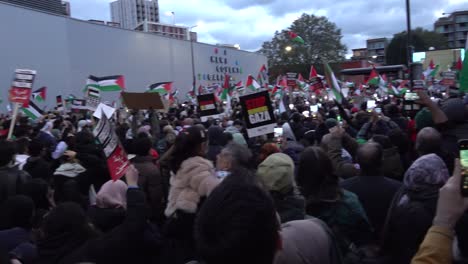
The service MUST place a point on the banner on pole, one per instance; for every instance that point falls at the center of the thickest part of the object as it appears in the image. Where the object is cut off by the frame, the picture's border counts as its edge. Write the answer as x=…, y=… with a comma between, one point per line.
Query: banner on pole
x=21, y=87
x=258, y=114
x=207, y=106
x=117, y=160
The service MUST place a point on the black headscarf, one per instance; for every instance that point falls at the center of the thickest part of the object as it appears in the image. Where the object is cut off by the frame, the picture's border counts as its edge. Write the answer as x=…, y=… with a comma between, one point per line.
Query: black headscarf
x=17, y=211
x=65, y=229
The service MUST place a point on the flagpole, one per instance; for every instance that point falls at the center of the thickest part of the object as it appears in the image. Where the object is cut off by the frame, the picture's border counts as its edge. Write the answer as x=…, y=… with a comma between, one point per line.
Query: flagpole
x=13, y=120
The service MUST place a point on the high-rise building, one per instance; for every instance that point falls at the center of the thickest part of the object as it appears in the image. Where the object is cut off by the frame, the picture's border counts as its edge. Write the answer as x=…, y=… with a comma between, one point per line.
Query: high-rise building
x=454, y=27
x=130, y=13
x=171, y=31
x=52, y=6
x=376, y=49
x=66, y=8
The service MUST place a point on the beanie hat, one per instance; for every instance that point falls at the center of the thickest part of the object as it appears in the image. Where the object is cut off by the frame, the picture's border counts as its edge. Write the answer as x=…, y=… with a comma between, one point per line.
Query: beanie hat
x=331, y=122
x=454, y=110
x=276, y=173
x=423, y=119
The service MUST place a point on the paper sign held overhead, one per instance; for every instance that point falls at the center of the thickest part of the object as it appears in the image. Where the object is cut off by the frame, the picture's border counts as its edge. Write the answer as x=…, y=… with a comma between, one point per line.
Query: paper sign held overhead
x=21, y=86
x=207, y=106
x=102, y=108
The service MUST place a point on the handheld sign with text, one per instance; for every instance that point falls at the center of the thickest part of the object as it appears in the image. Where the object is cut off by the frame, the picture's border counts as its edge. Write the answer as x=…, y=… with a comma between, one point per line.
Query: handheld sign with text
x=207, y=106
x=258, y=114
x=117, y=160
x=448, y=78
x=21, y=86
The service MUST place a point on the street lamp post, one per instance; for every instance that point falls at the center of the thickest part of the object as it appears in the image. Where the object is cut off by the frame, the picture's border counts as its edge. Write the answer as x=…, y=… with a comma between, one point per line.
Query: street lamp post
x=409, y=47
x=194, y=80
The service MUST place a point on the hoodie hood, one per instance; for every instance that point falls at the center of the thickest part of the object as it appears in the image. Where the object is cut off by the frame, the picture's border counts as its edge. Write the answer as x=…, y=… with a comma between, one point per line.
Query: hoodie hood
x=70, y=170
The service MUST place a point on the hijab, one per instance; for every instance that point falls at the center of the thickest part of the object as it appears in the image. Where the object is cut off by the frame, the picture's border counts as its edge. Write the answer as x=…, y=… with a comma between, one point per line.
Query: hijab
x=47, y=128
x=424, y=178
x=113, y=194
x=64, y=229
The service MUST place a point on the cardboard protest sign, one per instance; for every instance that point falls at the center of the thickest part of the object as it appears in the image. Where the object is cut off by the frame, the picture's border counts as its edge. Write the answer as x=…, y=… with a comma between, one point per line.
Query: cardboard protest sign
x=143, y=101
x=258, y=114
x=117, y=160
x=59, y=103
x=93, y=98
x=207, y=106
x=79, y=106
x=21, y=86
x=448, y=78
x=102, y=108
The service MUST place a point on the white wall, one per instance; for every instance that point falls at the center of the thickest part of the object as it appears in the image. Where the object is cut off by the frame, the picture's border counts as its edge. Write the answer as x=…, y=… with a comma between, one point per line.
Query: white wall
x=65, y=51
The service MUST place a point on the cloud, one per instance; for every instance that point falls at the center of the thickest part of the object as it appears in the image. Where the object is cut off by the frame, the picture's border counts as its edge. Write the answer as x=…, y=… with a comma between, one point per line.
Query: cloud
x=251, y=22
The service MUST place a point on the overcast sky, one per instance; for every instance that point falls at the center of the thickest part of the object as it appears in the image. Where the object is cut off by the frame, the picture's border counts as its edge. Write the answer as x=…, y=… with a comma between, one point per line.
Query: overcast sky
x=251, y=22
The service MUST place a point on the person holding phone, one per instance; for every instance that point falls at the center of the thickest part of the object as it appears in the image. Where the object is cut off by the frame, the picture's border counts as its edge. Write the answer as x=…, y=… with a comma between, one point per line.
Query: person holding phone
x=451, y=205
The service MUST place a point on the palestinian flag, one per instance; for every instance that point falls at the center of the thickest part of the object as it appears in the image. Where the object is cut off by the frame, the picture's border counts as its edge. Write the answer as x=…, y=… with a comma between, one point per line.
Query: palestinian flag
x=296, y=38
x=431, y=65
x=431, y=72
x=316, y=84
x=464, y=71
x=333, y=83
x=226, y=88
x=201, y=89
x=277, y=91
x=373, y=78
x=239, y=86
x=252, y=84
x=301, y=83
x=162, y=88
x=106, y=84
x=40, y=94
x=32, y=111
x=459, y=65
x=263, y=75
x=59, y=102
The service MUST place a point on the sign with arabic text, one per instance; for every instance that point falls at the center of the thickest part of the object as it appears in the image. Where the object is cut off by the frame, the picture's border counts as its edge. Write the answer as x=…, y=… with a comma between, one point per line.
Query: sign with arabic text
x=21, y=86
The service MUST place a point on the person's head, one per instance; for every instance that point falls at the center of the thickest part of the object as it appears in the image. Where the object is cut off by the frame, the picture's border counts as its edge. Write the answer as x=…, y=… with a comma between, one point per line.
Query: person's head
x=22, y=145
x=427, y=173
x=233, y=155
x=454, y=109
x=38, y=190
x=276, y=173
x=146, y=129
x=36, y=148
x=67, y=218
x=370, y=156
x=188, y=122
x=315, y=176
x=383, y=141
x=238, y=124
x=113, y=194
x=215, y=135
x=84, y=137
x=142, y=146
x=237, y=224
x=400, y=140
x=17, y=211
x=266, y=150
x=189, y=143
x=7, y=152
x=428, y=141
x=391, y=110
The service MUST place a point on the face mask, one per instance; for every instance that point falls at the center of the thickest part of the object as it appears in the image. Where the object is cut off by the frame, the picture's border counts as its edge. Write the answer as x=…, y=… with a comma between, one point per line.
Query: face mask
x=222, y=174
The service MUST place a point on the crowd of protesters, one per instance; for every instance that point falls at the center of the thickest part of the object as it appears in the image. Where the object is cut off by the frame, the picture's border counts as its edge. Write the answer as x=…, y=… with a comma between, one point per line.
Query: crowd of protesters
x=345, y=184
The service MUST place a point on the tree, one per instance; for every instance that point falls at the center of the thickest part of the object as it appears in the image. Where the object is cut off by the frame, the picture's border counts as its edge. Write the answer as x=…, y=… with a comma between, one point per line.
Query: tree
x=421, y=40
x=322, y=43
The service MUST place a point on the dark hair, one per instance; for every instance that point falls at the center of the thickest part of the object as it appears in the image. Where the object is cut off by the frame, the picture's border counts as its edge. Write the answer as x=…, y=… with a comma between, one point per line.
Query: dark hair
x=237, y=224
x=67, y=218
x=37, y=189
x=35, y=148
x=142, y=146
x=315, y=175
x=17, y=211
x=370, y=156
x=7, y=151
x=84, y=137
x=240, y=155
x=226, y=139
x=187, y=145
x=22, y=145
x=383, y=141
x=400, y=140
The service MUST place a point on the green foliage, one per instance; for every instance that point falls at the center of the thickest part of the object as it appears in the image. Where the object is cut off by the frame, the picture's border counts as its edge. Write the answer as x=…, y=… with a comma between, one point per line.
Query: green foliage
x=322, y=43
x=422, y=40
